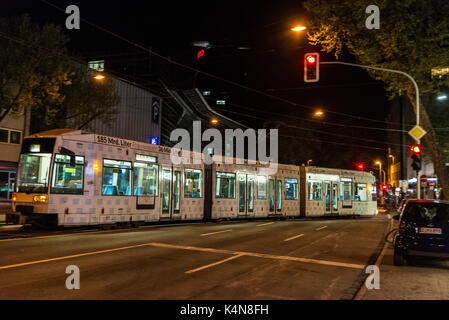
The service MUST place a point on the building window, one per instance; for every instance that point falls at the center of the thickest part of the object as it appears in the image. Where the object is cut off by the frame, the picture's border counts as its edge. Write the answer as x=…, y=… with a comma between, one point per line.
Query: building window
x=291, y=189
x=361, y=192
x=116, y=178
x=4, y=135
x=346, y=189
x=261, y=187
x=15, y=137
x=67, y=179
x=193, y=183
x=97, y=65
x=315, y=190
x=225, y=185
x=145, y=179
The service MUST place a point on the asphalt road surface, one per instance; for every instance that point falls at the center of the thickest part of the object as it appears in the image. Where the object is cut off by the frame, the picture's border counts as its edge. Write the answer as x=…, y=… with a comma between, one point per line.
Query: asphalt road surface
x=293, y=259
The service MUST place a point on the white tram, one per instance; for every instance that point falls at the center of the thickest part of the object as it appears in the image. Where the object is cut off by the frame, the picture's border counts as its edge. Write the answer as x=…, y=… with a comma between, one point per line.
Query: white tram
x=72, y=178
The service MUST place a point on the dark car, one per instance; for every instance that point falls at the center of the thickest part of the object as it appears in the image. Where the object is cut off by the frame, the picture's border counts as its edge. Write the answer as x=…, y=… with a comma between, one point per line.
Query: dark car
x=423, y=230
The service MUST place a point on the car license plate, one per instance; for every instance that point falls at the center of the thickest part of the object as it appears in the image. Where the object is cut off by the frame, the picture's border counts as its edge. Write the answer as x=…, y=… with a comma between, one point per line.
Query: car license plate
x=430, y=230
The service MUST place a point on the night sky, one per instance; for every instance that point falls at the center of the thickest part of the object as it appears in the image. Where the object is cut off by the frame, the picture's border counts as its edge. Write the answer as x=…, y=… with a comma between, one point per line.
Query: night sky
x=271, y=62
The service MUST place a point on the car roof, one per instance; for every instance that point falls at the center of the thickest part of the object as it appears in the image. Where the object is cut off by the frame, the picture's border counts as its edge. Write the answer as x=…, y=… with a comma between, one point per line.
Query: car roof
x=427, y=201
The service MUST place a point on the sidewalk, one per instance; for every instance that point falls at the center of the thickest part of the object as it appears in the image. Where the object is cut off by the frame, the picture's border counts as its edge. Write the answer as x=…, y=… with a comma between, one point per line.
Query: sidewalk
x=423, y=279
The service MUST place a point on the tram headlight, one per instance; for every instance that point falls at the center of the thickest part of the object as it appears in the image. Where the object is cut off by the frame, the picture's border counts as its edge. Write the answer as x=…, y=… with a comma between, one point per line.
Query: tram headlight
x=41, y=198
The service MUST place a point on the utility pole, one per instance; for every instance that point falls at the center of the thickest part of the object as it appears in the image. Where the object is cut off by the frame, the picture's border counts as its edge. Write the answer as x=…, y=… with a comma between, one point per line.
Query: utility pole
x=418, y=186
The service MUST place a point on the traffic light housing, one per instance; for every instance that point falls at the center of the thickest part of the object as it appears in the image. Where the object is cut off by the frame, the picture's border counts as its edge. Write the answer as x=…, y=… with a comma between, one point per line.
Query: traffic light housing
x=312, y=67
x=416, y=157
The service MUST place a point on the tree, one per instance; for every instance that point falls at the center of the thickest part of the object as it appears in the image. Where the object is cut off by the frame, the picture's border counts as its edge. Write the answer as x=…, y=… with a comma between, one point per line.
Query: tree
x=36, y=73
x=413, y=37
x=32, y=68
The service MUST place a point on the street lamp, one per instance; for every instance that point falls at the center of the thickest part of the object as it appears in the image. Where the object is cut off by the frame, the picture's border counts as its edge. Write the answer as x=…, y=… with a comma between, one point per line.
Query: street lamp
x=309, y=161
x=214, y=121
x=99, y=77
x=318, y=113
x=380, y=171
x=298, y=28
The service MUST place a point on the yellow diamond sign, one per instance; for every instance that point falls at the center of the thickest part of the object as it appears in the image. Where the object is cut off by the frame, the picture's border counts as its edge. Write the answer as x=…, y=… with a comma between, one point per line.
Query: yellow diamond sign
x=417, y=132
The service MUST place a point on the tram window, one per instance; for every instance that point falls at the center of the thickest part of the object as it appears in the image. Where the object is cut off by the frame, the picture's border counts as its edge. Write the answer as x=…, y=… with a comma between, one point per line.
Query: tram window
x=346, y=189
x=315, y=190
x=361, y=192
x=225, y=185
x=291, y=189
x=116, y=178
x=192, y=183
x=145, y=179
x=67, y=179
x=261, y=187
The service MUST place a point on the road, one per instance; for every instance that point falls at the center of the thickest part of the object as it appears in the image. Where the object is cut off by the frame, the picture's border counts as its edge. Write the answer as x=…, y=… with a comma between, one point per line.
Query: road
x=293, y=259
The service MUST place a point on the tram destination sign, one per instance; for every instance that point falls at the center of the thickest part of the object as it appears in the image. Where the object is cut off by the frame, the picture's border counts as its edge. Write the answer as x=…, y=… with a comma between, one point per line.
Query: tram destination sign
x=113, y=141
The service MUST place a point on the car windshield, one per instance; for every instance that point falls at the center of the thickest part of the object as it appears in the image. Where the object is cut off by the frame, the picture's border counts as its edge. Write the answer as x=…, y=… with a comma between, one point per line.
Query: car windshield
x=425, y=212
x=33, y=172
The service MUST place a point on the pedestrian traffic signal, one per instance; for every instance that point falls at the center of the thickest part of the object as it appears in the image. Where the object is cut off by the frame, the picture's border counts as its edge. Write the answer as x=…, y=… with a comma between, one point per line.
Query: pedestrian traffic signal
x=311, y=67
x=384, y=187
x=416, y=159
x=200, y=53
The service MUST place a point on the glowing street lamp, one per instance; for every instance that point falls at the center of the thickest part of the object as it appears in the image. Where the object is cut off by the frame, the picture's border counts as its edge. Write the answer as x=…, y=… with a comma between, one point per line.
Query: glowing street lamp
x=214, y=121
x=99, y=77
x=298, y=28
x=318, y=113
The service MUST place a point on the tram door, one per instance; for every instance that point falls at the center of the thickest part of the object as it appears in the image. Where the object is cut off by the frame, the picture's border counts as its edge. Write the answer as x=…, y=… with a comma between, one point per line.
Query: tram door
x=246, y=194
x=331, y=197
x=275, y=189
x=171, y=191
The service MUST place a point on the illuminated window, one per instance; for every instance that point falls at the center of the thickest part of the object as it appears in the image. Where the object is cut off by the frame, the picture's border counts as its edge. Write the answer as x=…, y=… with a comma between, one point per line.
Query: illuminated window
x=315, y=190
x=97, y=65
x=145, y=179
x=193, y=183
x=225, y=185
x=67, y=179
x=261, y=187
x=116, y=178
x=346, y=189
x=291, y=189
x=361, y=192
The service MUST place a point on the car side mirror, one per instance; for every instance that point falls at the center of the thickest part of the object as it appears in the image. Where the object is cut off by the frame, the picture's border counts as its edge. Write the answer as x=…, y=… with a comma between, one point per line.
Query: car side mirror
x=396, y=217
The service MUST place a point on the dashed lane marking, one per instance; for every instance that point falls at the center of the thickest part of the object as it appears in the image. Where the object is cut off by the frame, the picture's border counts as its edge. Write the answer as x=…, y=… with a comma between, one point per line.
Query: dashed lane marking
x=321, y=228
x=264, y=224
x=294, y=237
x=217, y=232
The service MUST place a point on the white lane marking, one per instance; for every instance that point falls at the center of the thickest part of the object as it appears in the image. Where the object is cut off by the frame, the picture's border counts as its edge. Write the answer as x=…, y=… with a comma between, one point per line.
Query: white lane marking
x=262, y=255
x=264, y=224
x=294, y=237
x=321, y=228
x=214, y=264
x=172, y=246
x=217, y=232
x=72, y=256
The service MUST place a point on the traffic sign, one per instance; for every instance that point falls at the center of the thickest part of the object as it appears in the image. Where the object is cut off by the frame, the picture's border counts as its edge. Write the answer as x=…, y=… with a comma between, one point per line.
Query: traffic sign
x=423, y=178
x=417, y=132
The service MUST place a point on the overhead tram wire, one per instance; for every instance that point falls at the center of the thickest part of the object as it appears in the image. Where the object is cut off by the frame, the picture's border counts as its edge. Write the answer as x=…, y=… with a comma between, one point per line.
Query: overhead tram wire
x=319, y=131
x=317, y=121
x=206, y=73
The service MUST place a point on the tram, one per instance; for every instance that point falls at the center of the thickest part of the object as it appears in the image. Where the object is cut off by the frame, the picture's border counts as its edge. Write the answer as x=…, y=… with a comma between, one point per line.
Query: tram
x=73, y=178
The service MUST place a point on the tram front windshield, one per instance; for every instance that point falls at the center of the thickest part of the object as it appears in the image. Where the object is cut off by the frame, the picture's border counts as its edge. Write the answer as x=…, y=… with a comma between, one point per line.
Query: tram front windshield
x=34, y=165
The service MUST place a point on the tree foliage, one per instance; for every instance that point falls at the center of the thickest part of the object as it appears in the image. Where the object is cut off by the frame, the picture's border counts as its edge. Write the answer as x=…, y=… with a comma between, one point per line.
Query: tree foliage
x=413, y=38
x=36, y=73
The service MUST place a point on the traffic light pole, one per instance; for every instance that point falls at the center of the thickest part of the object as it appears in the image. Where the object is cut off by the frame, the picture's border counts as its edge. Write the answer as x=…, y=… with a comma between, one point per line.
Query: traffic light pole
x=418, y=182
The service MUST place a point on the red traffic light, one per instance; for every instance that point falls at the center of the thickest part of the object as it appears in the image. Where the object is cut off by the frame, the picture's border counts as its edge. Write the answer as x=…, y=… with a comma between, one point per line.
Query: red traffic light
x=311, y=59
x=361, y=166
x=312, y=67
x=200, y=53
x=416, y=149
x=384, y=187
